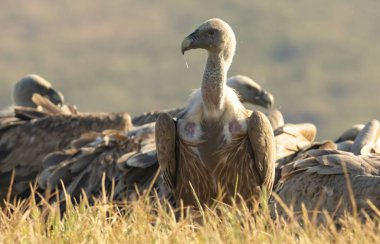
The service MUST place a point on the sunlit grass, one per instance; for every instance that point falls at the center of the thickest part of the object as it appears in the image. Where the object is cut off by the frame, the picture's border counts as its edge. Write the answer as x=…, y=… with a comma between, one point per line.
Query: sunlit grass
x=149, y=221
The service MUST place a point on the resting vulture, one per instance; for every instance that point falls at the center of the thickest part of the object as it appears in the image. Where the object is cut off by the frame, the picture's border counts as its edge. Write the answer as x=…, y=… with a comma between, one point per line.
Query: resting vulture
x=127, y=159
x=217, y=149
x=24, y=89
x=318, y=180
x=30, y=134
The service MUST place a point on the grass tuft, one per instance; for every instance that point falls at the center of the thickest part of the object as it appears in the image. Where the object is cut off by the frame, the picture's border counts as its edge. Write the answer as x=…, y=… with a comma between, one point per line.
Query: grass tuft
x=147, y=220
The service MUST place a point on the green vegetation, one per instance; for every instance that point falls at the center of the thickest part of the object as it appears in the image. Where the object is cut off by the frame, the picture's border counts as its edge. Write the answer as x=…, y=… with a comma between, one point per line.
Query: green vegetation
x=319, y=58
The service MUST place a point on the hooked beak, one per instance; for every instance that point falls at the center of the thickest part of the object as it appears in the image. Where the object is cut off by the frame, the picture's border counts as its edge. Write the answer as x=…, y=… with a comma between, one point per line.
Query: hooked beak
x=56, y=97
x=266, y=99
x=188, y=42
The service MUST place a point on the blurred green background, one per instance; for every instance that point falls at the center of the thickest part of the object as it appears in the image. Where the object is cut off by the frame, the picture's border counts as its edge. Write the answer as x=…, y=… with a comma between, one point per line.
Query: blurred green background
x=320, y=59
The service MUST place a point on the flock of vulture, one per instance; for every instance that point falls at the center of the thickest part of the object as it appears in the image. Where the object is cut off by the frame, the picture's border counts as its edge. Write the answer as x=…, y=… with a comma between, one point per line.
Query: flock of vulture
x=211, y=150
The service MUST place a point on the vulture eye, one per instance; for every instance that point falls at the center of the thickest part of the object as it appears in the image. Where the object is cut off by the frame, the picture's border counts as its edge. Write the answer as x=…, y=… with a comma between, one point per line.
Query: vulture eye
x=211, y=32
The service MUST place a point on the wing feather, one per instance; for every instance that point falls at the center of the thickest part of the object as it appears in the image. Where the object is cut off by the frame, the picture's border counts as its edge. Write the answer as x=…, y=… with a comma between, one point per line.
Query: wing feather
x=25, y=143
x=166, y=148
x=263, y=144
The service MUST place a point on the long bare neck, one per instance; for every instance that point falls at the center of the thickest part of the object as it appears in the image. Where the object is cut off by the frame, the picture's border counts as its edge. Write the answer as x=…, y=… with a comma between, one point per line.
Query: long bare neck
x=214, y=82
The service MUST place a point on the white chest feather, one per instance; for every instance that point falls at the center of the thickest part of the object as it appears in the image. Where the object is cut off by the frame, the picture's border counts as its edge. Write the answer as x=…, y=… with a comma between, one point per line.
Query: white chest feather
x=229, y=120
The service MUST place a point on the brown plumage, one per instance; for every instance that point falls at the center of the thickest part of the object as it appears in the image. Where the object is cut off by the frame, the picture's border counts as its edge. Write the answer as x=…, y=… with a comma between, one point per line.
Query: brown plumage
x=30, y=134
x=127, y=160
x=293, y=141
x=318, y=181
x=93, y=152
x=152, y=116
x=290, y=139
x=216, y=149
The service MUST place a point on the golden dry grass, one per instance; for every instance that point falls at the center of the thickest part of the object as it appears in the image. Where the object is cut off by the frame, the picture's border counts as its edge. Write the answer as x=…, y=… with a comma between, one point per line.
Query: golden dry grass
x=140, y=222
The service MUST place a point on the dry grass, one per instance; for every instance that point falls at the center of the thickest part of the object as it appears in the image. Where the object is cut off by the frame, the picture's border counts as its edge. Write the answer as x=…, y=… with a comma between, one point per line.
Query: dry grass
x=140, y=222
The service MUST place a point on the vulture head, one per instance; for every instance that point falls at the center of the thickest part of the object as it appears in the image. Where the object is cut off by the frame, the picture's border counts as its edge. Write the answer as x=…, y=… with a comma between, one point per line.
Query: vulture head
x=215, y=36
x=24, y=89
x=250, y=92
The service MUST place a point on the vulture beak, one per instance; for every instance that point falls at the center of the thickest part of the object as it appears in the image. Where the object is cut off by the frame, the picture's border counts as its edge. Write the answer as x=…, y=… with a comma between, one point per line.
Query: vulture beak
x=266, y=99
x=188, y=42
x=56, y=97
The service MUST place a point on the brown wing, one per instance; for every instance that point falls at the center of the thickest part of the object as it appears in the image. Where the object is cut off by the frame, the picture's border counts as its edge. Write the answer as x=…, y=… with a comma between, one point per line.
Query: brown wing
x=323, y=145
x=263, y=144
x=24, y=144
x=126, y=162
x=319, y=182
x=290, y=138
x=166, y=148
x=150, y=117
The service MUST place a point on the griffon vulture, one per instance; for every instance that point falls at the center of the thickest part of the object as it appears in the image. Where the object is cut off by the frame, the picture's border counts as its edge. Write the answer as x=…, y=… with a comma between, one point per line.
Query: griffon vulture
x=30, y=134
x=216, y=149
x=318, y=181
x=23, y=90
x=127, y=159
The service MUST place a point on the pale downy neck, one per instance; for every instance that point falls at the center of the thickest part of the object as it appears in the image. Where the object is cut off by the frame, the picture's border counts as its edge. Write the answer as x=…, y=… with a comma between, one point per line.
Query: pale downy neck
x=214, y=82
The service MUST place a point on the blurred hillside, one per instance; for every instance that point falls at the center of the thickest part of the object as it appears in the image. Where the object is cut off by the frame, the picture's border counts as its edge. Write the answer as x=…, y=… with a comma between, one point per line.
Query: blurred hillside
x=320, y=59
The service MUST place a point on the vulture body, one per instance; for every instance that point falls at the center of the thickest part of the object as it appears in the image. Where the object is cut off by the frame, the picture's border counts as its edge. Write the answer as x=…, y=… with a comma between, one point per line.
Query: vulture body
x=123, y=164
x=217, y=149
x=293, y=141
x=128, y=160
x=30, y=134
x=318, y=181
x=290, y=139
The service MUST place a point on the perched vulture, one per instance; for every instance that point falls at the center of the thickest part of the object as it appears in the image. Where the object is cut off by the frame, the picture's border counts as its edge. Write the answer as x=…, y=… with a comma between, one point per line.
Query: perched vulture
x=318, y=181
x=250, y=92
x=30, y=134
x=24, y=89
x=247, y=89
x=128, y=160
x=217, y=149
